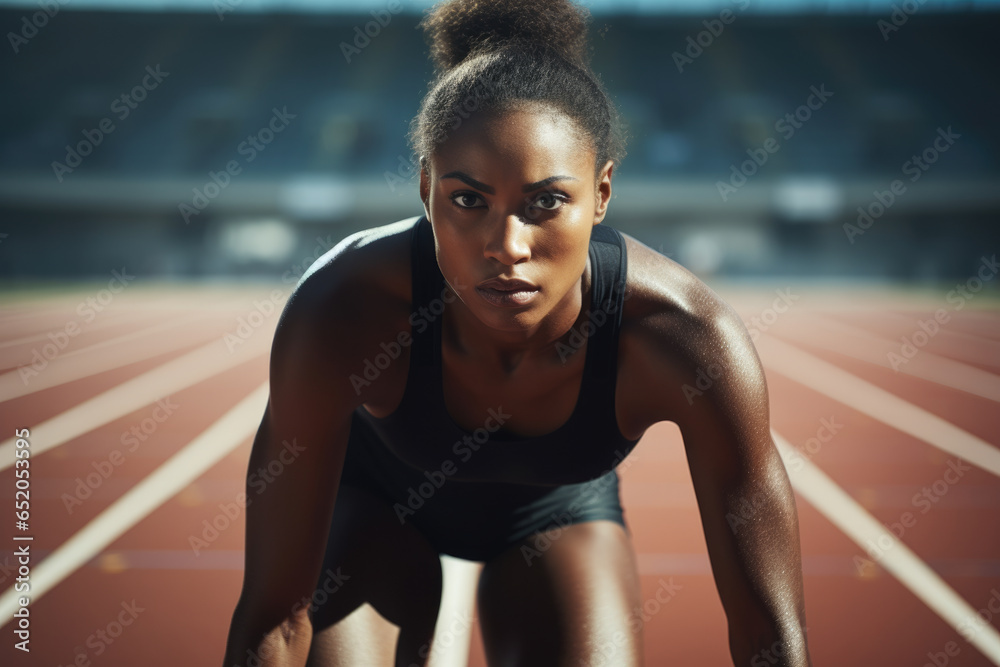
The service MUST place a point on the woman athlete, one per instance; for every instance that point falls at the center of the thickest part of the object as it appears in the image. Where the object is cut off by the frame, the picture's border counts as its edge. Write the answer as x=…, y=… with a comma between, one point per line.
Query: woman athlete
x=464, y=381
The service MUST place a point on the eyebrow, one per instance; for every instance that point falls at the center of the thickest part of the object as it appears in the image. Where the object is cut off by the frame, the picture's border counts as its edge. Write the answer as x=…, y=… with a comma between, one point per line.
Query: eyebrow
x=468, y=180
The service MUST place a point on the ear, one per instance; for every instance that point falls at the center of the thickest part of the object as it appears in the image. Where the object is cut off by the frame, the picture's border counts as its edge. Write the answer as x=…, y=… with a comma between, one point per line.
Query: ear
x=603, y=192
x=425, y=185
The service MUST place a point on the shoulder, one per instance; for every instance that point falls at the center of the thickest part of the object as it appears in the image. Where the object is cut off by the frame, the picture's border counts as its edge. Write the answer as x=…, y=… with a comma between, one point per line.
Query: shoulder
x=350, y=296
x=688, y=353
x=667, y=304
x=371, y=259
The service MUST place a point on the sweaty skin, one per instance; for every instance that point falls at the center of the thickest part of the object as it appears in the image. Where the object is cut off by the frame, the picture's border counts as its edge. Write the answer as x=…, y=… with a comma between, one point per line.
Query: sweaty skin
x=488, y=223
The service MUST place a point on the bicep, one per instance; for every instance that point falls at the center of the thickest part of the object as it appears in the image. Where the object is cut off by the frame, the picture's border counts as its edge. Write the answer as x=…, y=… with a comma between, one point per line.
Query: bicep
x=743, y=493
x=724, y=419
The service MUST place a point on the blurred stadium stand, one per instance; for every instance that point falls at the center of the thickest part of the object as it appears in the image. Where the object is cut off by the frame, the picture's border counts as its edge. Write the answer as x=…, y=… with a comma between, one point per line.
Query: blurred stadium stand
x=336, y=167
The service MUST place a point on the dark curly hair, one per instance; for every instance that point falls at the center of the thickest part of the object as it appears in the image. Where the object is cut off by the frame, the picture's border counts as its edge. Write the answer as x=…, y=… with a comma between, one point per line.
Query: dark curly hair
x=500, y=55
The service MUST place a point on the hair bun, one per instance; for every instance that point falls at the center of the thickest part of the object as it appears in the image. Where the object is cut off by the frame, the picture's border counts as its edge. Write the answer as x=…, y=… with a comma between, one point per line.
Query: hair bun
x=457, y=28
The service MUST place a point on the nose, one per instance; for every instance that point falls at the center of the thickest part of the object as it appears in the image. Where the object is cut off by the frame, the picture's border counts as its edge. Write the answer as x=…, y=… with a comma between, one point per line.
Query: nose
x=508, y=241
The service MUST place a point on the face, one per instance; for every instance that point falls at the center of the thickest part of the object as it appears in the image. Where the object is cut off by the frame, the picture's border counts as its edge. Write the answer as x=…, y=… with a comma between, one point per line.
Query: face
x=514, y=196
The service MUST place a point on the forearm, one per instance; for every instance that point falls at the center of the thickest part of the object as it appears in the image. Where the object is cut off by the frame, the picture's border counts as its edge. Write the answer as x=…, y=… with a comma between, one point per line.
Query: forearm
x=744, y=495
x=759, y=574
x=283, y=645
x=769, y=644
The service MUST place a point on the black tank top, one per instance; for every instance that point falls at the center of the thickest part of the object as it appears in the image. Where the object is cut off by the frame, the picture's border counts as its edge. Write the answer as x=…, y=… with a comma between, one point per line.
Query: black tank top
x=422, y=434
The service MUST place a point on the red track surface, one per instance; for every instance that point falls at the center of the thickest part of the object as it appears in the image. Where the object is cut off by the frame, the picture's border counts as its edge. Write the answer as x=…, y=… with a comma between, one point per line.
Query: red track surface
x=855, y=617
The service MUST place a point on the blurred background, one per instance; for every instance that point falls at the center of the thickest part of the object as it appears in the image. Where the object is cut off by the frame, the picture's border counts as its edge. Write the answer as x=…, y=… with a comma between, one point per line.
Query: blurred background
x=842, y=155
x=120, y=118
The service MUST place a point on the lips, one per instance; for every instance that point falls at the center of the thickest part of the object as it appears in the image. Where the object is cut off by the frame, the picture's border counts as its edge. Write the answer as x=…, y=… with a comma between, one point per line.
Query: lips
x=508, y=285
x=507, y=292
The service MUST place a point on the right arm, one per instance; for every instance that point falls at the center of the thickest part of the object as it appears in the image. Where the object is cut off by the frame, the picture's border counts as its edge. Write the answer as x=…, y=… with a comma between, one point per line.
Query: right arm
x=287, y=521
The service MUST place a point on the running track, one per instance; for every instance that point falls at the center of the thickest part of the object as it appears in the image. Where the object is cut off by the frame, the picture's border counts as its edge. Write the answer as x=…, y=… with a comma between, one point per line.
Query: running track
x=861, y=439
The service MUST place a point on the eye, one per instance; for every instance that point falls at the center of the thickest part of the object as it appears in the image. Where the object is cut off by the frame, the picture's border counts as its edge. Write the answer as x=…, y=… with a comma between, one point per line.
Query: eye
x=465, y=199
x=549, y=201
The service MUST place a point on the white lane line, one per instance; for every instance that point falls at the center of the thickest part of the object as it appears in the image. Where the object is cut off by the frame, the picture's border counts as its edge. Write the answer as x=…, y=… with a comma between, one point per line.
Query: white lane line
x=173, y=376
x=453, y=630
x=214, y=443
x=861, y=527
x=99, y=357
x=825, y=378
x=859, y=344
x=11, y=357
x=962, y=345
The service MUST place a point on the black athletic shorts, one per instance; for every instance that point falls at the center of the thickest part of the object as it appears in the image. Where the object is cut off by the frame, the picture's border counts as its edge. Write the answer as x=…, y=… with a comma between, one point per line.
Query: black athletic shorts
x=474, y=520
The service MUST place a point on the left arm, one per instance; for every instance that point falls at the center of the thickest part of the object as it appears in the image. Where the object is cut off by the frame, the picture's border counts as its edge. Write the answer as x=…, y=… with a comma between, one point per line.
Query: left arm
x=717, y=395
